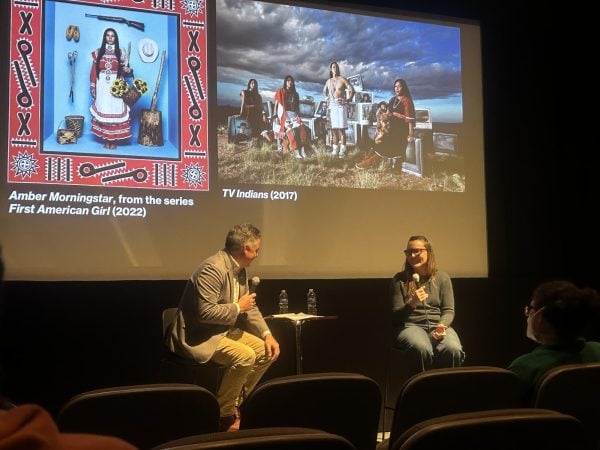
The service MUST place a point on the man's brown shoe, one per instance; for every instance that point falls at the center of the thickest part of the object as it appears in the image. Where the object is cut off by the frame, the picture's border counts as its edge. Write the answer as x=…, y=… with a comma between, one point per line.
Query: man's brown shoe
x=229, y=423
x=235, y=426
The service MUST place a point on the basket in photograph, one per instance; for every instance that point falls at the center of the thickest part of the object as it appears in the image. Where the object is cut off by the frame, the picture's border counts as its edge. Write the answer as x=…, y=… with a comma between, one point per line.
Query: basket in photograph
x=131, y=96
x=75, y=123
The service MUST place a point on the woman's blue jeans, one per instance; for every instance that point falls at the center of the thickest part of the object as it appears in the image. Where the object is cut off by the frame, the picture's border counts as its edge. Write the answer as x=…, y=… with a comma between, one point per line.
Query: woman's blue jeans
x=424, y=352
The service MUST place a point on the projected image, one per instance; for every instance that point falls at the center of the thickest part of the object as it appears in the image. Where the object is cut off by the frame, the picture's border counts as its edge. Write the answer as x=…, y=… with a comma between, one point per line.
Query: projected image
x=96, y=98
x=427, y=56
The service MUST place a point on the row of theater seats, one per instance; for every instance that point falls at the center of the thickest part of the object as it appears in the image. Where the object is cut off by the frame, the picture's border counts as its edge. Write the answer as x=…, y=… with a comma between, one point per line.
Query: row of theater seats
x=463, y=408
x=342, y=404
x=475, y=390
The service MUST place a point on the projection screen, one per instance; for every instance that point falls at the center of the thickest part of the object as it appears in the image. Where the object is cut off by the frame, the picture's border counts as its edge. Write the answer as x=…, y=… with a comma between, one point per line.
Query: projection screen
x=188, y=161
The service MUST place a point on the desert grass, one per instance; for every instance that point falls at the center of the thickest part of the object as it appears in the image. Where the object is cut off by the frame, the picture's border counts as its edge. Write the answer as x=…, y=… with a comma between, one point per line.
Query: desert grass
x=257, y=162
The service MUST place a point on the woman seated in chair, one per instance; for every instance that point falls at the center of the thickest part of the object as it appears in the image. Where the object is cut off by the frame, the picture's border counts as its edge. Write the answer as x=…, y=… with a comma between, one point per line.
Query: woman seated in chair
x=423, y=310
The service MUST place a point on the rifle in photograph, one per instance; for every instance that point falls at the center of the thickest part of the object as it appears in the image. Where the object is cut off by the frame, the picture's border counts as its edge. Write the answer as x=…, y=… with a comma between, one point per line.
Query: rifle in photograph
x=129, y=23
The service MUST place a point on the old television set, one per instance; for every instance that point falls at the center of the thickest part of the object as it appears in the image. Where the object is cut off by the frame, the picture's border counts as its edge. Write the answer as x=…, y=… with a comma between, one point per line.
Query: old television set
x=423, y=119
x=365, y=112
x=356, y=81
x=352, y=112
x=369, y=132
x=413, y=164
x=321, y=109
x=367, y=136
x=238, y=129
x=445, y=143
x=363, y=97
x=306, y=108
x=352, y=135
x=268, y=108
x=317, y=127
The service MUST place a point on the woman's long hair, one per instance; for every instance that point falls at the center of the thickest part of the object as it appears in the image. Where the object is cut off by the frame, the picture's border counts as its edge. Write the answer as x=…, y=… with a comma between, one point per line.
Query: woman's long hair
x=102, y=51
x=405, y=90
x=331, y=71
x=292, y=91
x=250, y=82
x=293, y=87
x=254, y=94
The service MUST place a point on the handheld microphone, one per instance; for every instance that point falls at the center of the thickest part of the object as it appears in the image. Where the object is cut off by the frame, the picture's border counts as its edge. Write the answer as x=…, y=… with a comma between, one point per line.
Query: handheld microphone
x=417, y=279
x=254, y=282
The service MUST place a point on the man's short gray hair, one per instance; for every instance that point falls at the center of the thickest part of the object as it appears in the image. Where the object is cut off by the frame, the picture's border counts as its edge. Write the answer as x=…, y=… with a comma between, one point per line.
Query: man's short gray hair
x=240, y=235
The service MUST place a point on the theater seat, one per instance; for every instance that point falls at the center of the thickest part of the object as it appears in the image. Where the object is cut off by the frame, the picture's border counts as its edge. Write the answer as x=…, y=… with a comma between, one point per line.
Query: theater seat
x=503, y=429
x=438, y=392
x=263, y=438
x=346, y=404
x=573, y=389
x=143, y=415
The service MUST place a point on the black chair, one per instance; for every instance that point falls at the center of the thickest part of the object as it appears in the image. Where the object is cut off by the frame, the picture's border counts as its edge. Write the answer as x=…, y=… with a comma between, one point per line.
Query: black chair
x=263, y=438
x=573, y=389
x=176, y=369
x=503, y=429
x=143, y=415
x=346, y=404
x=398, y=370
x=439, y=392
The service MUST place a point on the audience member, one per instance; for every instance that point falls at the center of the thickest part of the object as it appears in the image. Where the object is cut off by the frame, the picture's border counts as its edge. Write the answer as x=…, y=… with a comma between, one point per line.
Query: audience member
x=423, y=310
x=218, y=320
x=30, y=427
x=557, y=317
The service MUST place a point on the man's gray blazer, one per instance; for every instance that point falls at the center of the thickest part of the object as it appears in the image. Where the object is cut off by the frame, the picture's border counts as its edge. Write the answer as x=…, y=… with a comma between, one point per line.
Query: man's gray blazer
x=207, y=310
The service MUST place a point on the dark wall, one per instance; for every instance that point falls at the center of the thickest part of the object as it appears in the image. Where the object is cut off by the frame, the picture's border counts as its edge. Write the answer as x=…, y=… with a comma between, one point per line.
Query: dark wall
x=59, y=339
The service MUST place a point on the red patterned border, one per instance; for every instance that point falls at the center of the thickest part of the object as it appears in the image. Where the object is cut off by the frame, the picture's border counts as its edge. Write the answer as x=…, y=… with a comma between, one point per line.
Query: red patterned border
x=27, y=164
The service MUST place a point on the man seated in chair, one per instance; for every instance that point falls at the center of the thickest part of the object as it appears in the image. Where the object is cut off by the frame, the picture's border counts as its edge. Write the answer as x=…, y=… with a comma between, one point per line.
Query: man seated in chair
x=218, y=320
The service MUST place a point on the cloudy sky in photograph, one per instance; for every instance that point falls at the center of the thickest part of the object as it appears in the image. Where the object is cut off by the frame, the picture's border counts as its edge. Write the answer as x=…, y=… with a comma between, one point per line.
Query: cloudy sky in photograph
x=268, y=41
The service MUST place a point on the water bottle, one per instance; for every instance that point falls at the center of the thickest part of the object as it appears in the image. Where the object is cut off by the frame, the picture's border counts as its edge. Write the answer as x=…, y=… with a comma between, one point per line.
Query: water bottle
x=283, y=302
x=311, y=302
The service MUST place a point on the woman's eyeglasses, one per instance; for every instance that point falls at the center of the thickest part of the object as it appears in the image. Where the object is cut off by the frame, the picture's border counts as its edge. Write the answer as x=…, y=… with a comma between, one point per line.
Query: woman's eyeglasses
x=414, y=251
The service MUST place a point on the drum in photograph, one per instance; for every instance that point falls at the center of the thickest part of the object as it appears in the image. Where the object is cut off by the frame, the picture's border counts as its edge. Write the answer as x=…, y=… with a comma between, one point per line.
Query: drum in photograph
x=150, y=128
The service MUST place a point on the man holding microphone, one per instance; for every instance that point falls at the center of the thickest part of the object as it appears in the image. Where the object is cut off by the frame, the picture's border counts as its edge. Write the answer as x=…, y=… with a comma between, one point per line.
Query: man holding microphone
x=218, y=320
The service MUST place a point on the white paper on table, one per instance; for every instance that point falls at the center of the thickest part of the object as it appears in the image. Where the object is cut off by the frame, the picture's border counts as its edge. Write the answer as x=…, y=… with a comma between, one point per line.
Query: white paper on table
x=295, y=316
